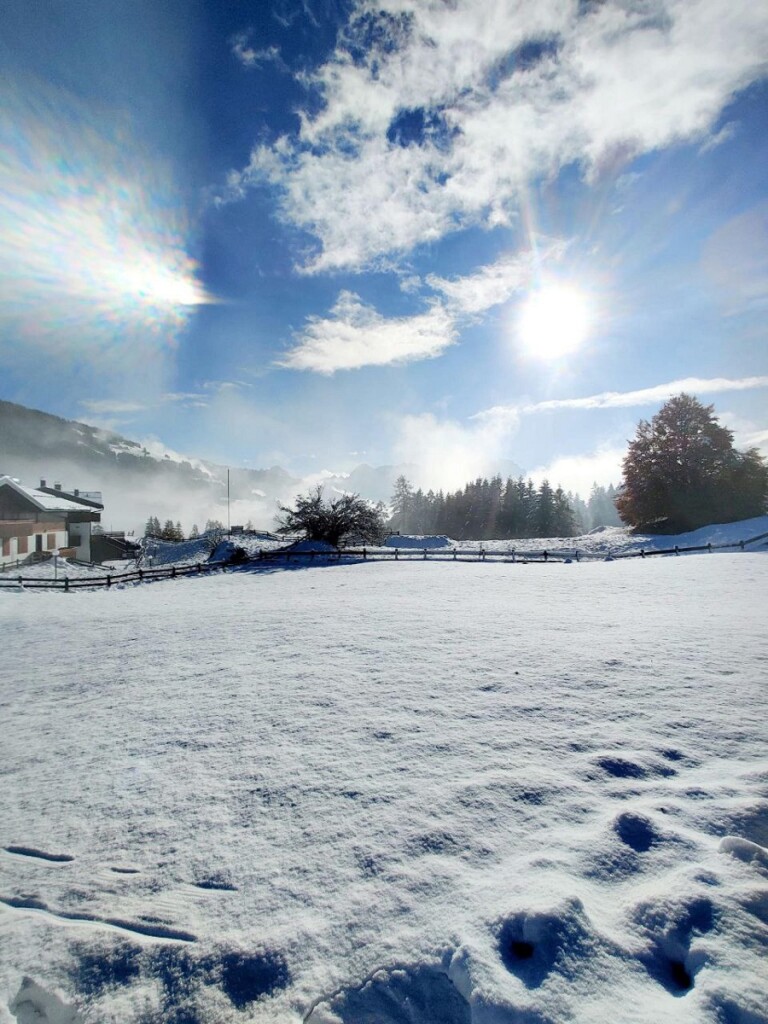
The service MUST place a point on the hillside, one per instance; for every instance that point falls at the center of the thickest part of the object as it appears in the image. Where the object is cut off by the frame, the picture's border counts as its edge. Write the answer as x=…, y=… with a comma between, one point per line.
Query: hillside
x=137, y=479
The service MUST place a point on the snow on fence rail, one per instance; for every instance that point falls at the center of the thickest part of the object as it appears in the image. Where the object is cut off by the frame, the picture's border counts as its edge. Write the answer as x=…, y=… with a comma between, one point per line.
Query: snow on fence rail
x=111, y=579
x=366, y=555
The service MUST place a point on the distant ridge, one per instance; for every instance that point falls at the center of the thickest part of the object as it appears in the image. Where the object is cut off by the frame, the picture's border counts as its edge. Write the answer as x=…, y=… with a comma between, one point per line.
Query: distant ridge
x=141, y=480
x=136, y=483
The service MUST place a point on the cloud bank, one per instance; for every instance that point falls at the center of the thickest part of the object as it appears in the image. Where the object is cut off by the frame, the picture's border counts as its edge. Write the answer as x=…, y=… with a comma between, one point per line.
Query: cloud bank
x=452, y=451
x=430, y=117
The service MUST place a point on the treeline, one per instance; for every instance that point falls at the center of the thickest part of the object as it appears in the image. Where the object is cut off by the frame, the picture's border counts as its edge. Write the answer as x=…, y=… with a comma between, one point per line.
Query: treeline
x=496, y=509
x=174, y=531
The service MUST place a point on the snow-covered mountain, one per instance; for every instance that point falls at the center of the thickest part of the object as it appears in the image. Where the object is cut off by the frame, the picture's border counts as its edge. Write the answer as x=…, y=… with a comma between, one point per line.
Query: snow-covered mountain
x=144, y=478
x=137, y=479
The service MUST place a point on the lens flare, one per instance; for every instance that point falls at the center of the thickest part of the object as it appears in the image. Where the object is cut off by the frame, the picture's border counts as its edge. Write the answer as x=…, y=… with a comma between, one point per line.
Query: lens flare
x=554, y=321
x=96, y=239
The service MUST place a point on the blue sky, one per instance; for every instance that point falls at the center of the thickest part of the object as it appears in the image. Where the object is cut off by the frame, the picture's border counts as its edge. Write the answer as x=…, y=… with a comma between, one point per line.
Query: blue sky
x=318, y=233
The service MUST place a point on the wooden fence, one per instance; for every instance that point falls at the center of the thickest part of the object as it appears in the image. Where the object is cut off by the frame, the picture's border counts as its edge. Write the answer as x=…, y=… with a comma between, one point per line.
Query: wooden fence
x=286, y=556
x=111, y=579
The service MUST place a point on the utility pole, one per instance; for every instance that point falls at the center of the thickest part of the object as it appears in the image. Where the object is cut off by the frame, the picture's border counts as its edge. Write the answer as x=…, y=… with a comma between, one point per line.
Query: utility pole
x=229, y=522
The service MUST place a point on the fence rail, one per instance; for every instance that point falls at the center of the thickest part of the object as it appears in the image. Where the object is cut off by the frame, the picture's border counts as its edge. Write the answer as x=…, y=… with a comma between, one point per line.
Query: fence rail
x=361, y=554
x=111, y=579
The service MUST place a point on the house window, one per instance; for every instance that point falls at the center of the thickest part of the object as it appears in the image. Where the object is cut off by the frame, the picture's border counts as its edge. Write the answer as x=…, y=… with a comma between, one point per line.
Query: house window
x=7, y=546
x=23, y=545
x=51, y=542
x=38, y=542
x=75, y=540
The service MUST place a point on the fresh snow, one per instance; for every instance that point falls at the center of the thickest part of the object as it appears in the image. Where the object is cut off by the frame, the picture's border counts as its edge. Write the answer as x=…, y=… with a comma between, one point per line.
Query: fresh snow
x=417, y=792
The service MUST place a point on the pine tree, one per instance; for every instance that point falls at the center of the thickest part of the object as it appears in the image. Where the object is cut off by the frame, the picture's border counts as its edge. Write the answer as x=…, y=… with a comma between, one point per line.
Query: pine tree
x=194, y=533
x=564, y=519
x=544, y=516
x=402, y=506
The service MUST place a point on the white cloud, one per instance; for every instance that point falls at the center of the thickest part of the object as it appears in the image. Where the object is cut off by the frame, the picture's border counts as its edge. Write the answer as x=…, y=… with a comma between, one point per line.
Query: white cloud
x=111, y=406
x=250, y=58
x=577, y=473
x=495, y=283
x=356, y=335
x=449, y=453
x=611, y=81
x=625, y=399
x=182, y=396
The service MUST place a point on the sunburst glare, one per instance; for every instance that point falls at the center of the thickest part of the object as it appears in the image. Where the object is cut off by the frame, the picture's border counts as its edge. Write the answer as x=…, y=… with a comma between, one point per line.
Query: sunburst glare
x=95, y=235
x=554, y=321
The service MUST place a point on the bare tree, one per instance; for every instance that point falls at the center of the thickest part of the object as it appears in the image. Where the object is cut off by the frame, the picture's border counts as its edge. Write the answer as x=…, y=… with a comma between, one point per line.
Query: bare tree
x=332, y=520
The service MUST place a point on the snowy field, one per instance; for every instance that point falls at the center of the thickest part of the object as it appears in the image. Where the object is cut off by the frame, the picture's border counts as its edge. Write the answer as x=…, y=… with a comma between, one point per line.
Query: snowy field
x=413, y=793
x=613, y=541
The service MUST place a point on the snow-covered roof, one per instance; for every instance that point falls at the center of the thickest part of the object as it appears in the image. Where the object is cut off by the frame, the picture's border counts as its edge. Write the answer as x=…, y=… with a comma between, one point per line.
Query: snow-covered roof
x=48, y=502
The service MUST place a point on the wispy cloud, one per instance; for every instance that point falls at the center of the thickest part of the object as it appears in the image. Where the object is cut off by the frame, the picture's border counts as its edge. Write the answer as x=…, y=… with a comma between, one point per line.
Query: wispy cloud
x=453, y=109
x=495, y=283
x=251, y=58
x=357, y=335
x=625, y=399
x=181, y=396
x=109, y=406
x=577, y=473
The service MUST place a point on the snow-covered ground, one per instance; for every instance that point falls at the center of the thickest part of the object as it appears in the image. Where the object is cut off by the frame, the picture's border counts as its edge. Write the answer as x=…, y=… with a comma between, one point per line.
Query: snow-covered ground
x=421, y=793
x=614, y=540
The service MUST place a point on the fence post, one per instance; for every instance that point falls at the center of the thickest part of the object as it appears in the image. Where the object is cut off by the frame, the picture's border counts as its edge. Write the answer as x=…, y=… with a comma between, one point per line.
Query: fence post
x=513, y=555
x=109, y=581
x=454, y=554
x=173, y=571
x=396, y=551
x=576, y=554
x=66, y=583
x=21, y=581
x=425, y=554
x=546, y=556
x=482, y=554
x=677, y=550
x=709, y=547
x=199, y=567
x=741, y=544
x=642, y=552
x=365, y=555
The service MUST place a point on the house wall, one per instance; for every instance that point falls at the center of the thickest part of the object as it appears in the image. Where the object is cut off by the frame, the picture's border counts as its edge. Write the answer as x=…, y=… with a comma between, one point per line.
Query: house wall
x=20, y=539
x=79, y=539
x=25, y=529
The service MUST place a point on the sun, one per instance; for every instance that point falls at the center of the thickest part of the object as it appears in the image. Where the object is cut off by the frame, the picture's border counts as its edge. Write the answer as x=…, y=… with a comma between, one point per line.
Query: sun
x=554, y=321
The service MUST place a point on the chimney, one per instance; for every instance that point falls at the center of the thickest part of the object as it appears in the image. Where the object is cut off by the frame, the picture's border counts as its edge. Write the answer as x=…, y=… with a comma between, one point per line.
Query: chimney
x=42, y=483
x=57, y=487
x=77, y=493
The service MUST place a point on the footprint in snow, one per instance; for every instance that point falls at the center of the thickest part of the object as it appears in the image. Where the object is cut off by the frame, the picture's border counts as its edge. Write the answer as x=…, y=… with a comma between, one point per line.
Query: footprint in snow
x=671, y=930
x=35, y=854
x=34, y=1005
